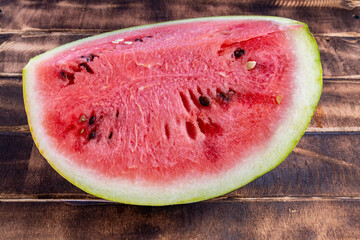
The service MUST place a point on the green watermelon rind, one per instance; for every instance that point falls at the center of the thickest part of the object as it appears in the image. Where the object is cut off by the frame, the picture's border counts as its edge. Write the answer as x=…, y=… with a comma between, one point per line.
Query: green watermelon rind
x=190, y=190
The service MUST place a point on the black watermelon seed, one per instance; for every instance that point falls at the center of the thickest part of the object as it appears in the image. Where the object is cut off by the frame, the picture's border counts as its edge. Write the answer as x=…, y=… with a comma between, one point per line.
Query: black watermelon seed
x=149, y=36
x=92, y=120
x=69, y=76
x=239, y=52
x=204, y=101
x=87, y=58
x=92, y=56
x=138, y=40
x=110, y=136
x=88, y=69
x=92, y=134
x=224, y=96
x=117, y=113
x=63, y=74
x=66, y=75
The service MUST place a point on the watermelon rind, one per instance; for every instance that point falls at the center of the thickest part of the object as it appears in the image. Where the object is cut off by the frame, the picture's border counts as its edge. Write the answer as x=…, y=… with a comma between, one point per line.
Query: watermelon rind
x=308, y=86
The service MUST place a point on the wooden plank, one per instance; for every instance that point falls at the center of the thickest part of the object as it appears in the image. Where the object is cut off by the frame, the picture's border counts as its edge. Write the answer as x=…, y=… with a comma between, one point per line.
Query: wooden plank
x=110, y=15
x=23, y=170
x=338, y=110
x=339, y=55
x=321, y=165
x=16, y=50
x=312, y=219
x=12, y=111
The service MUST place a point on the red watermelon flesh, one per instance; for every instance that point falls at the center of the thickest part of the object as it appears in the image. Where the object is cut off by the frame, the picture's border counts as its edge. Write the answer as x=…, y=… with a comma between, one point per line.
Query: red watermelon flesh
x=156, y=106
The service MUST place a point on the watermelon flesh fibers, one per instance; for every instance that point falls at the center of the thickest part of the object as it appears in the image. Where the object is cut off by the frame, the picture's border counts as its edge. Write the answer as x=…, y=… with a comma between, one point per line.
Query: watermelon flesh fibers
x=175, y=112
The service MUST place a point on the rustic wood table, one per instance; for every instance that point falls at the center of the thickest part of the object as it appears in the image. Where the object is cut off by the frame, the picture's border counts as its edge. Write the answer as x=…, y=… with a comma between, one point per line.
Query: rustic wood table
x=313, y=194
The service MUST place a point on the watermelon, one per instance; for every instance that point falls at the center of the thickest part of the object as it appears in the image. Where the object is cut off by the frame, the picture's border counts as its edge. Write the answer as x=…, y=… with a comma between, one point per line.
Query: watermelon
x=174, y=112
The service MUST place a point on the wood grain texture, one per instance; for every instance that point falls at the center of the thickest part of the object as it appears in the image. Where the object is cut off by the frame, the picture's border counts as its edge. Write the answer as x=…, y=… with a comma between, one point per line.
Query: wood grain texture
x=207, y=220
x=339, y=55
x=338, y=110
x=323, y=165
x=110, y=15
x=12, y=110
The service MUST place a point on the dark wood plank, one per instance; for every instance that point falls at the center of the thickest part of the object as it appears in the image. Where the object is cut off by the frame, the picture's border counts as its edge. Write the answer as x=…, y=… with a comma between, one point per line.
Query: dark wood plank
x=338, y=110
x=299, y=219
x=12, y=110
x=110, y=15
x=339, y=55
x=16, y=50
x=339, y=107
x=321, y=165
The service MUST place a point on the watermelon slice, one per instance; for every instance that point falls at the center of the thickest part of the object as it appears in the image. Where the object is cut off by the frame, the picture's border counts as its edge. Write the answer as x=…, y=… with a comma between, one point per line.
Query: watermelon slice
x=175, y=112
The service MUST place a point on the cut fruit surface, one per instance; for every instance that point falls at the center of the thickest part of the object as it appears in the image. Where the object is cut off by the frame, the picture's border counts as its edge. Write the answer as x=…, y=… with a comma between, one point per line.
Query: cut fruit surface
x=174, y=112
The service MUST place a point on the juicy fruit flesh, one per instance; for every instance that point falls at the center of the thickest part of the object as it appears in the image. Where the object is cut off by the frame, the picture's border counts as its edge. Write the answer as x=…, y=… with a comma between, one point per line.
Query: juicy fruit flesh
x=168, y=105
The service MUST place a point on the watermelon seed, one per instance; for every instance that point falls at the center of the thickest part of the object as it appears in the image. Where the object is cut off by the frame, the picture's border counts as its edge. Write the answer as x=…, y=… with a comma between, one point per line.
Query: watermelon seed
x=191, y=130
x=204, y=101
x=82, y=131
x=224, y=96
x=117, y=41
x=63, y=74
x=86, y=66
x=90, y=57
x=239, y=52
x=278, y=99
x=250, y=65
x=92, y=134
x=128, y=42
x=149, y=36
x=87, y=58
x=92, y=120
x=110, y=136
x=117, y=113
x=138, y=40
x=68, y=76
x=83, y=119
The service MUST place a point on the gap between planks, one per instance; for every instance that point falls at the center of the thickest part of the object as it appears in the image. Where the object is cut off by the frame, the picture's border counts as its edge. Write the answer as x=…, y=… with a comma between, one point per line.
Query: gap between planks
x=59, y=31
x=219, y=199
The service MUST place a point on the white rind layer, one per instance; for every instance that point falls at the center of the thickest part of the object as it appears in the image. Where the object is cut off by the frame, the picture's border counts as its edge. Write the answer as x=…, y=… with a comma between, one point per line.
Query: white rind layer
x=308, y=85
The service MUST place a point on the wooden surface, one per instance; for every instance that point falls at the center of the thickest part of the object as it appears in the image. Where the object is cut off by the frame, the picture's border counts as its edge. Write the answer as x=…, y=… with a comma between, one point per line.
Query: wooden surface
x=313, y=194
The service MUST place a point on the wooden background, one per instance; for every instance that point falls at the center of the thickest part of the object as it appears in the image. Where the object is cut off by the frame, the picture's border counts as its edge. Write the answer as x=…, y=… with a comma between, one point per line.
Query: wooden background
x=314, y=194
